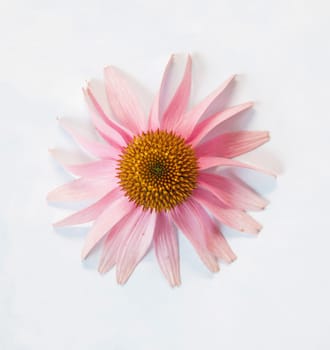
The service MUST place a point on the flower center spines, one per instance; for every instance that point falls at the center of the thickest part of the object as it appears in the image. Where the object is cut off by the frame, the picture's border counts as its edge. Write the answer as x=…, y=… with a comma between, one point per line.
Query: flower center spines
x=157, y=170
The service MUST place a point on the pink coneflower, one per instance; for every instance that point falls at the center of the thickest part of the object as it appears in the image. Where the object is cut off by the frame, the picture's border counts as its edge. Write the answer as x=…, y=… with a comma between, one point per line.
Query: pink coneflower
x=159, y=174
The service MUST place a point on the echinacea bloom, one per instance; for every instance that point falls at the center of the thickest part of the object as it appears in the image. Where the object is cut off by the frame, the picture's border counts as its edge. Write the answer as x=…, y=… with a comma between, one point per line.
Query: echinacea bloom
x=154, y=175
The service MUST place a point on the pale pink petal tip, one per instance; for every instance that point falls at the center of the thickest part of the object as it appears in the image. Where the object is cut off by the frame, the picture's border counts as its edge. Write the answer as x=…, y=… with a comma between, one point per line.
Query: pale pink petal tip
x=57, y=224
x=102, y=270
x=233, y=258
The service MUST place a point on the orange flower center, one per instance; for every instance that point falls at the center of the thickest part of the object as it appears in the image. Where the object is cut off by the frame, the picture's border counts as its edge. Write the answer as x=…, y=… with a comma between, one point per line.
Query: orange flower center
x=158, y=170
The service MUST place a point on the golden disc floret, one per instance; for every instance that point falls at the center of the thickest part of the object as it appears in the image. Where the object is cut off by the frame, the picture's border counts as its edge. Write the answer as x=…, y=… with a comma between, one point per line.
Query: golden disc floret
x=157, y=170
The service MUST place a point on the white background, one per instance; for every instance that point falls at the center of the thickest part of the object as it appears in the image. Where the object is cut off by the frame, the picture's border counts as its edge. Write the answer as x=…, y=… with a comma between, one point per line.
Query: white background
x=276, y=295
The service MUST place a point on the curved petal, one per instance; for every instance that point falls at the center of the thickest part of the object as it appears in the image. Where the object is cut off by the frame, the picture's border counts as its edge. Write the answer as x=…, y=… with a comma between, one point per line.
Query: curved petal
x=177, y=106
x=210, y=162
x=115, y=238
x=92, y=147
x=167, y=250
x=91, y=212
x=95, y=107
x=153, y=119
x=236, y=219
x=90, y=169
x=135, y=246
x=157, y=109
x=93, y=169
x=220, y=247
x=123, y=102
x=82, y=189
x=113, y=137
x=104, y=223
x=231, y=192
x=214, y=239
x=232, y=144
x=188, y=219
x=206, y=125
x=191, y=118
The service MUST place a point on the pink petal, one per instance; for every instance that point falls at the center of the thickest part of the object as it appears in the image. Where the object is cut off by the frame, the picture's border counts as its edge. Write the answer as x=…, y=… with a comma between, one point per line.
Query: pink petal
x=153, y=120
x=206, y=125
x=104, y=223
x=112, y=136
x=210, y=162
x=157, y=107
x=179, y=102
x=123, y=103
x=236, y=219
x=90, y=213
x=214, y=239
x=188, y=219
x=116, y=238
x=135, y=246
x=96, y=108
x=82, y=189
x=167, y=250
x=232, y=144
x=221, y=249
x=232, y=192
x=90, y=169
x=94, y=169
x=92, y=147
x=191, y=118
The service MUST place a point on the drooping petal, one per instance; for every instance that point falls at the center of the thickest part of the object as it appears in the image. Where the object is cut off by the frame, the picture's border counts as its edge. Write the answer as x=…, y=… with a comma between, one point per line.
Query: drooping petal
x=215, y=241
x=92, y=147
x=231, y=192
x=177, y=106
x=187, y=219
x=95, y=107
x=191, y=118
x=135, y=247
x=82, y=189
x=237, y=219
x=90, y=169
x=123, y=102
x=104, y=223
x=116, y=238
x=206, y=125
x=109, y=134
x=167, y=250
x=210, y=162
x=220, y=247
x=91, y=212
x=232, y=144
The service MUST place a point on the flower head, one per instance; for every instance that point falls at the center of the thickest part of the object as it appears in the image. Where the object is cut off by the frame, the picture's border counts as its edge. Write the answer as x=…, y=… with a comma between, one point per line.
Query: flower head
x=152, y=176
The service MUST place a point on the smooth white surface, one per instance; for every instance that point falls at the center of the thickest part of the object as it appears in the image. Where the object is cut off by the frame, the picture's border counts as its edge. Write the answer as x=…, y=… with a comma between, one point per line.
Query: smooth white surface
x=276, y=295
